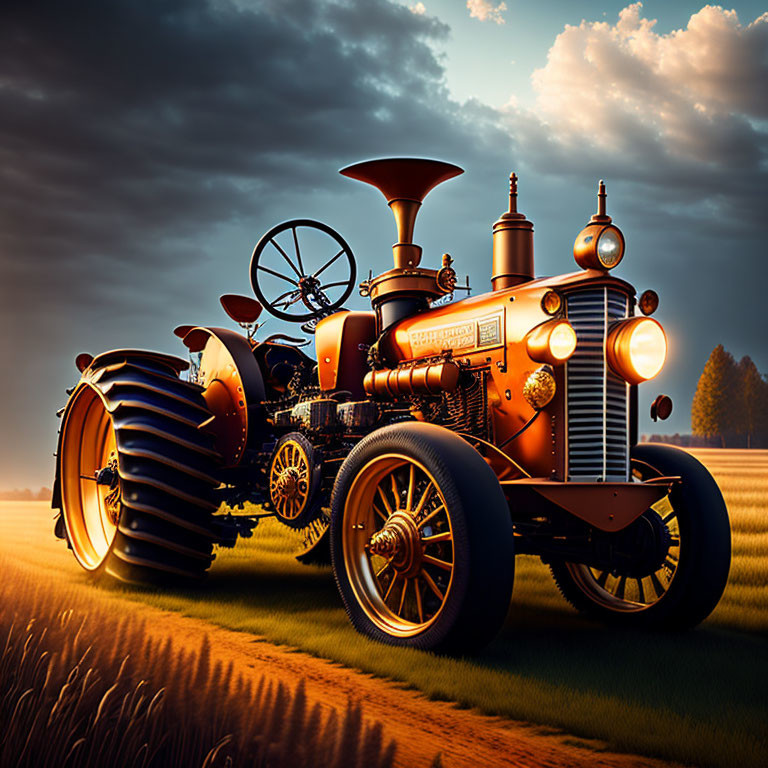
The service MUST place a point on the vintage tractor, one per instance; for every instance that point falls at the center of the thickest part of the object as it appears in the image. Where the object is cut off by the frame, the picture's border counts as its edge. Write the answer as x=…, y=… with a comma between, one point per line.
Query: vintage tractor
x=431, y=441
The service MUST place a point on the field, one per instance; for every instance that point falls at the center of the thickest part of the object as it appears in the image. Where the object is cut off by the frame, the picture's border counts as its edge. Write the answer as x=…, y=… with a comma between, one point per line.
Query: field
x=694, y=698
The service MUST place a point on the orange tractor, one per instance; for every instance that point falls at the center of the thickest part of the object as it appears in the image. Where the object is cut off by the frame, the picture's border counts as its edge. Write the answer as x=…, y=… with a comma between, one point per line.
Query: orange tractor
x=430, y=442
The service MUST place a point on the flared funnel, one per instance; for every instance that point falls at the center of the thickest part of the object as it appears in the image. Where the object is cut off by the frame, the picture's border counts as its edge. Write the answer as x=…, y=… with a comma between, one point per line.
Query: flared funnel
x=404, y=182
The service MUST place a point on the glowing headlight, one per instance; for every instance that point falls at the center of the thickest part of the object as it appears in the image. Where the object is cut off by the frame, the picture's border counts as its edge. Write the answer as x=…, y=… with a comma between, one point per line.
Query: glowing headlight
x=552, y=342
x=562, y=341
x=610, y=249
x=636, y=349
x=599, y=246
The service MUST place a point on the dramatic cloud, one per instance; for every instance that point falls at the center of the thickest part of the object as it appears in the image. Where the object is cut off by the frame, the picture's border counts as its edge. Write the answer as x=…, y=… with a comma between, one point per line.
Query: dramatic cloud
x=484, y=10
x=184, y=112
x=685, y=112
x=129, y=131
x=140, y=141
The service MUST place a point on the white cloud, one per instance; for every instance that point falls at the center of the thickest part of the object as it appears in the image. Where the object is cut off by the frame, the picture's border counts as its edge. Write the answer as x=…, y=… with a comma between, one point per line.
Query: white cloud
x=689, y=108
x=484, y=10
x=419, y=9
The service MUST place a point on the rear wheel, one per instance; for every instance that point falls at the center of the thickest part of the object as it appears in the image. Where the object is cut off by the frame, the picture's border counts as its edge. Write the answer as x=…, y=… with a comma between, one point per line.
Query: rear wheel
x=421, y=540
x=136, y=474
x=685, y=585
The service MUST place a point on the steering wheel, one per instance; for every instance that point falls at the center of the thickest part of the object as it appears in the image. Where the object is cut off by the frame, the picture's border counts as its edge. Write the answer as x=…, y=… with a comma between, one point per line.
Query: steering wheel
x=321, y=272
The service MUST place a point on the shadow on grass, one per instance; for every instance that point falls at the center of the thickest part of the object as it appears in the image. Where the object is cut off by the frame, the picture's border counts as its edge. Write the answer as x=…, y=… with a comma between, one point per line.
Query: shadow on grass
x=700, y=673
x=706, y=674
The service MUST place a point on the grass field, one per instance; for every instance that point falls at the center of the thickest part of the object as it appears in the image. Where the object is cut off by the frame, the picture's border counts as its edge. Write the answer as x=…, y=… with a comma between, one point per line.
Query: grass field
x=68, y=698
x=697, y=698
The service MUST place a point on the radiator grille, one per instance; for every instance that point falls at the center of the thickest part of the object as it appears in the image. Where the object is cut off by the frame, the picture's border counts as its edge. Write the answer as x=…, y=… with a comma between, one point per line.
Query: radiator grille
x=597, y=399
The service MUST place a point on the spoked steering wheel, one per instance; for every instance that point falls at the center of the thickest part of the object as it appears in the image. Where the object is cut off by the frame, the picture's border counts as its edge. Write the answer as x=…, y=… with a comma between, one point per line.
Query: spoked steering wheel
x=313, y=259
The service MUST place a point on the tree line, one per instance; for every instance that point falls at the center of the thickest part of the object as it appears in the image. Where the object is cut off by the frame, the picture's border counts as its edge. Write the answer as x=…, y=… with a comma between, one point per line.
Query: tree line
x=730, y=407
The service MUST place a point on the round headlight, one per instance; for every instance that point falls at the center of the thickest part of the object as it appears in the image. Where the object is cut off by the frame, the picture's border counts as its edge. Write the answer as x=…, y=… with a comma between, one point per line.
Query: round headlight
x=552, y=342
x=636, y=349
x=599, y=246
x=562, y=341
x=610, y=249
x=551, y=302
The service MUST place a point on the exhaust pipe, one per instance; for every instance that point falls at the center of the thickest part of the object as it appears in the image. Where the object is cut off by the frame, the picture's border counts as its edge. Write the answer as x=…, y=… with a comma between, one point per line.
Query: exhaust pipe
x=512, y=245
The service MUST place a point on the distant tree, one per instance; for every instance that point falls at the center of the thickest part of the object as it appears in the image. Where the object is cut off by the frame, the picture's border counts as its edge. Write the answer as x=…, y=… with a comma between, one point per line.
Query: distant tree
x=715, y=405
x=749, y=384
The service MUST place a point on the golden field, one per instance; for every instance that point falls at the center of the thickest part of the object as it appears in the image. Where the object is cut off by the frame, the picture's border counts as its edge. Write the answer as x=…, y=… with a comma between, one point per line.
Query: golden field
x=695, y=698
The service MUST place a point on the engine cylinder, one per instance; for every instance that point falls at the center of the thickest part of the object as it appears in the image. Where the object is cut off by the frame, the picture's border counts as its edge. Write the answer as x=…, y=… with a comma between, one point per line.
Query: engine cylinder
x=424, y=379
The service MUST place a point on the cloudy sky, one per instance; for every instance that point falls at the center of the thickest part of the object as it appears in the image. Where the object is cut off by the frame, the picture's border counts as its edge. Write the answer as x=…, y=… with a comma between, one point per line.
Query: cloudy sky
x=145, y=147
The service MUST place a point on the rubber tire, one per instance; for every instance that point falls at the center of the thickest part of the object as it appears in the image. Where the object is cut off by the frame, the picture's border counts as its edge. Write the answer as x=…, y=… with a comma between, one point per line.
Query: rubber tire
x=705, y=549
x=167, y=469
x=479, y=599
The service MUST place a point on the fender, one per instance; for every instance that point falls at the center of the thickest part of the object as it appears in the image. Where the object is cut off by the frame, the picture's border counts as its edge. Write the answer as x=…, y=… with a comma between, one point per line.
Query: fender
x=233, y=388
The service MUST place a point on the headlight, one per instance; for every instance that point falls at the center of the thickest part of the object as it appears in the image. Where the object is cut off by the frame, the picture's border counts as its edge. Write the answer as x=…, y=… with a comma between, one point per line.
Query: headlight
x=599, y=246
x=636, y=349
x=552, y=342
x=551, y=302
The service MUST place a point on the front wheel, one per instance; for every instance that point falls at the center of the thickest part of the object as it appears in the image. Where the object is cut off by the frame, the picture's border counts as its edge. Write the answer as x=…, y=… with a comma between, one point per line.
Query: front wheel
x=684, y=588
x=421, y=540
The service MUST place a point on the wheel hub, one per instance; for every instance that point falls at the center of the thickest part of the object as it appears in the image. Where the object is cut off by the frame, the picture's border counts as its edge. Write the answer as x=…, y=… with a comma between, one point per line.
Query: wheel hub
x=400, y=542
x=643, y=547
x=288, y=483
x=109, y=475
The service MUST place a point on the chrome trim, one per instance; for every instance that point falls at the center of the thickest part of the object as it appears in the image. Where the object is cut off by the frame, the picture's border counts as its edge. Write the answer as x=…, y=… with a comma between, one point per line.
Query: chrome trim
x=597, y=400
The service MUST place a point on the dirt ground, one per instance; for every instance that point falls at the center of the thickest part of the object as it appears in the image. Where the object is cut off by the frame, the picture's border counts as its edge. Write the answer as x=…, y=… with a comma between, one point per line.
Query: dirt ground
x=421, y=727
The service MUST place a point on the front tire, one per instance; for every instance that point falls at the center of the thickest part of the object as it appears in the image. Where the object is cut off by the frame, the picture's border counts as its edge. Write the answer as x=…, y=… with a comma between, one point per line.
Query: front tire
x=421, y=540
x=685, y=589
x=136, y=474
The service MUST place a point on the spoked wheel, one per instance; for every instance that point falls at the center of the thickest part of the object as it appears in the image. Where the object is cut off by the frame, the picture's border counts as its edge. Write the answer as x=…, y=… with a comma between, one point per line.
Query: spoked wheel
x=302, y=270
x=421, y=540
x=295, y=474
x=689, y=528
x=136, y=475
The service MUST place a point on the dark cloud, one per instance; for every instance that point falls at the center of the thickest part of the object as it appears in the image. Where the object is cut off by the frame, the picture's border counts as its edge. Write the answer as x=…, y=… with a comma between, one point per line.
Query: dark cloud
x=145, y=146
x=181, y=112
x=131, y=132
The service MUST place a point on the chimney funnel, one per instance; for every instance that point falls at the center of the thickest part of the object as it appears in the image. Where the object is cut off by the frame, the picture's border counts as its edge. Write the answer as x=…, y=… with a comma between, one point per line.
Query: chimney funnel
x=512, y=245
x=404, y=182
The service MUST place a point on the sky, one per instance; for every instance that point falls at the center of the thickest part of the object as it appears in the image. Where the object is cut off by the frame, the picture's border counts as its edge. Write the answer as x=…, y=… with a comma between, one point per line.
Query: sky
x=145, y=147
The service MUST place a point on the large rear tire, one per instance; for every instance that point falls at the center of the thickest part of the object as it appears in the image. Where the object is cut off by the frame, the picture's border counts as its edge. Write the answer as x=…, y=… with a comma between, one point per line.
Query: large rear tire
x=136, y=473
x=421, y=540
x=687, y=586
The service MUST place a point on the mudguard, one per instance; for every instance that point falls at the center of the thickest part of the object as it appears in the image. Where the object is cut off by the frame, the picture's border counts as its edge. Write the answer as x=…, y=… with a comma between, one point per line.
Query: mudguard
x=233, y=389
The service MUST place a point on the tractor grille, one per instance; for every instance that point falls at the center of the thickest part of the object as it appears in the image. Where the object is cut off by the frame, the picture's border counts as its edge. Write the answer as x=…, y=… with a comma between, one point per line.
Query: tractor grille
x=597, y=399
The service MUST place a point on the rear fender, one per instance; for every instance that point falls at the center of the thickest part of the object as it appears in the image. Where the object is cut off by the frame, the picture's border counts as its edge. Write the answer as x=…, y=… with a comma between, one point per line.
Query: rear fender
x=233, y=388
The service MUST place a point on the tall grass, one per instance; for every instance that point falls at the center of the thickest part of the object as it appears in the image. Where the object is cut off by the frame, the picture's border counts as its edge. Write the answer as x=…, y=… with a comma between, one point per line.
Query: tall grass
x=697, y=698
x=82, y=688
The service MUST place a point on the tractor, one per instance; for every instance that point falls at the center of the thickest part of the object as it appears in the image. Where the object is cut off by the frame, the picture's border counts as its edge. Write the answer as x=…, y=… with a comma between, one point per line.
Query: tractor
x=428, y=443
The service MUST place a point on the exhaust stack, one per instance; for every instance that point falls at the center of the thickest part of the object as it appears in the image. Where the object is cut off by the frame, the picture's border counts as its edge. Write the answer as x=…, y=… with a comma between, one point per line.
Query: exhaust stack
x=404, y=182
x=512, y=245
